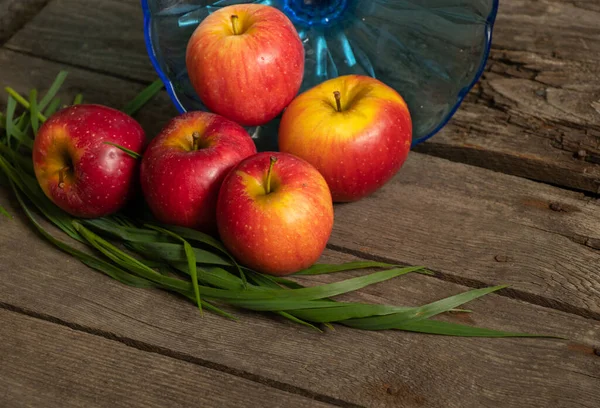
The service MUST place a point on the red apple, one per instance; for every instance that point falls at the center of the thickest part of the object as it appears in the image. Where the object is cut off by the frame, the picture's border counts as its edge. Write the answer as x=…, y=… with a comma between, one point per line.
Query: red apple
x=275, y=213
x=184, y=166
x=246, y=62
x=75, y=167
x=354, y=129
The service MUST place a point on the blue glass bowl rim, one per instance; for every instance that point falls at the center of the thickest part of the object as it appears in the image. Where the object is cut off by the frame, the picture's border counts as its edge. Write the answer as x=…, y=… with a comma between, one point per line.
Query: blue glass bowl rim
x=490, y=20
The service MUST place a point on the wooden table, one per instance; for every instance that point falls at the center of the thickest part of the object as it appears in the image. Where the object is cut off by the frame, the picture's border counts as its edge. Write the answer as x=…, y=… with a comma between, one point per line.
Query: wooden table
x=506, y=193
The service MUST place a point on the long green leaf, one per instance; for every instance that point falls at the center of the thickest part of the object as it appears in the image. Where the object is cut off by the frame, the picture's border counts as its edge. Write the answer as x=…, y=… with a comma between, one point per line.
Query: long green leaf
x=143, y=97
x=4, y=212
x=89, y=260
x=175, y=253
x=52, y=108
x=449, y=329
x=129, y=152
x=191, y=261
x=23, y=102
x=206, y=239
x=11, y=105
x=33, y=110
x=424, y=312
x=320, y=269
x=53, y=90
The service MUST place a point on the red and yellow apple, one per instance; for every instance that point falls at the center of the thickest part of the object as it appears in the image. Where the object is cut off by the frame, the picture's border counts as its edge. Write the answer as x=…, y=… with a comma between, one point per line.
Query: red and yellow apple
x=184, y=166
x=75, y=167
x=246, y=62
x=354, y=129
x=275, y=213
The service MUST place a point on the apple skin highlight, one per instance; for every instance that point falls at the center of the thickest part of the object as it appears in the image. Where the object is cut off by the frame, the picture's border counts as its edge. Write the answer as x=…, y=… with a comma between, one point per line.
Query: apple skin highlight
x=181, y=181
x=357, y=149
x=249, y=76
x=282, y=231
x=76, y=169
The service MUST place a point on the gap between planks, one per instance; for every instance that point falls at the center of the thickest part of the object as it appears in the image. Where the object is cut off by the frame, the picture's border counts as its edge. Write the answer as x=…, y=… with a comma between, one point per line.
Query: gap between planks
x=149, y=348
x=16, y=14
x=508, y=292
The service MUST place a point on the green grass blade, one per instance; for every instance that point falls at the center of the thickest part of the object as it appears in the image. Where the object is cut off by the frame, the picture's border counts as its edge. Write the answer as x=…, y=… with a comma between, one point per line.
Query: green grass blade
x=130, y=263
x=294, y=319
x=4, y=212
x=120, y=231
x=143, y=97
x=23, y=102
x=191, y=262
x=53, y=90
x=451, y=329
x=52, y=108
x=206, y=239
x=209, y=306
x=89, y=260
x=78, y=99
x=32, y=190
x=11, y=105
x=33, y=110
x=320, y=269
x=424, y=312
x=129, y=152
x=191, y=257
x=172, y=252
x=214, y=276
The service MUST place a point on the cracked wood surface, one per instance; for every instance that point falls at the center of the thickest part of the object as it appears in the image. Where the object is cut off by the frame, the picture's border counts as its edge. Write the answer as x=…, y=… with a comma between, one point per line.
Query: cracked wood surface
x=536, y=107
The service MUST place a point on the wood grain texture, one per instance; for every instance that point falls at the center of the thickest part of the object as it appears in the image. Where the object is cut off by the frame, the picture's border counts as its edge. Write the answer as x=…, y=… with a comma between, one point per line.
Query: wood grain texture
x=456, y=219
x=482, y=226
x=23, y=73
x=47, y=365
x=385, y=369
x=535, y=109
x=104, y=35
x=15, y=13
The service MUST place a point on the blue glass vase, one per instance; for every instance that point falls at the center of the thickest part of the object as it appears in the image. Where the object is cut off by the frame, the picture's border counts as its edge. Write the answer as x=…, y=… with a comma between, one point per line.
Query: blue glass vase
x=431, y=51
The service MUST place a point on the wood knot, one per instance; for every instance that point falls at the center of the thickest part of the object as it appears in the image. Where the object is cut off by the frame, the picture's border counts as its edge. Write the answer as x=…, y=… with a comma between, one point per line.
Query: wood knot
x=501, y=258
x=581, y=154
x=597, y=352
x=557, y=207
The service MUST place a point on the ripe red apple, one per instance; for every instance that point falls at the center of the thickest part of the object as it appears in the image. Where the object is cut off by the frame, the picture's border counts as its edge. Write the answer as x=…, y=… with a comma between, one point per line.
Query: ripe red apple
x=275, y=213
x=354, y=129
x=75, y=167
x=184, y=166
x=246, y=62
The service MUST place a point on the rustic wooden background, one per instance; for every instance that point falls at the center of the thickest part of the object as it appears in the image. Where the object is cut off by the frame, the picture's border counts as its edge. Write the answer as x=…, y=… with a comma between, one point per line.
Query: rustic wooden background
x=506, y=193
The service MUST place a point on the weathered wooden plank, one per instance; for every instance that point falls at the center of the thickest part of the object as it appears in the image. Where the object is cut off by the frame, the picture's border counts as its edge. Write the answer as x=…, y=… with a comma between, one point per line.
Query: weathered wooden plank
x=43, y=364
x=23, y=73
x=533, y=116
x=537, y=105
x=105, y=35
x=390, y=369
x=15, y=13
x=456, y=219
x=482, y=226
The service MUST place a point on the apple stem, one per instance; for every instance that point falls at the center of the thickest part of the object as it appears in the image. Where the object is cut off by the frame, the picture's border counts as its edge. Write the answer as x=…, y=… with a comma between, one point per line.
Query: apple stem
x=196, y=140
x=235, y=24
x=338, y=100
x=273, y=161
x=61, y=177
